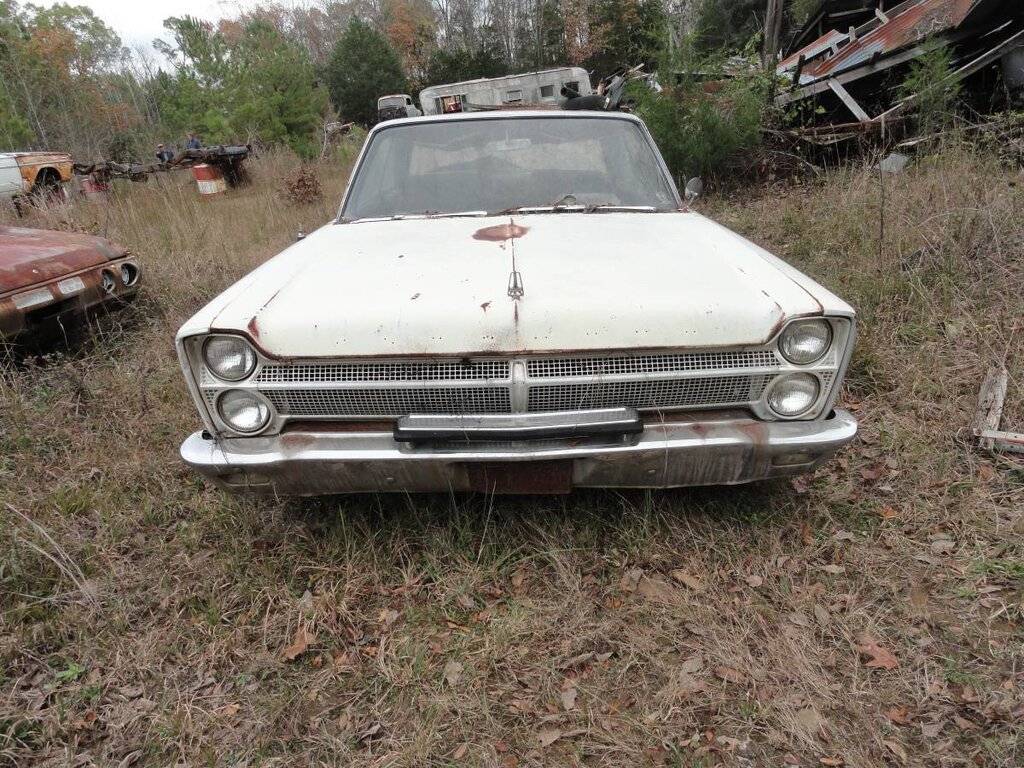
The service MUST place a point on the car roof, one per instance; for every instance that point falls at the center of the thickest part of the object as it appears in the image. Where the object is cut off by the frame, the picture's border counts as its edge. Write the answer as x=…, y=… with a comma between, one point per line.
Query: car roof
x=502, y=114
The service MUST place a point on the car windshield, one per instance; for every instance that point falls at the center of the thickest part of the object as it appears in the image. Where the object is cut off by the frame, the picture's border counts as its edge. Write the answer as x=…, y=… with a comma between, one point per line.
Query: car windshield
x=501, y=164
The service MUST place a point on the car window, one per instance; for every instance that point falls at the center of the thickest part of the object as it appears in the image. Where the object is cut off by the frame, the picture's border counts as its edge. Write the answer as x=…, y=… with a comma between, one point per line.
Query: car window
x=453, y=166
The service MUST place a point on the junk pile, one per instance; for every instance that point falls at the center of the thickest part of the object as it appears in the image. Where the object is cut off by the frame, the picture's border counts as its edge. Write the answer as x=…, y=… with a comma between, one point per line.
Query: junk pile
x=221, y=165
x=847, y=63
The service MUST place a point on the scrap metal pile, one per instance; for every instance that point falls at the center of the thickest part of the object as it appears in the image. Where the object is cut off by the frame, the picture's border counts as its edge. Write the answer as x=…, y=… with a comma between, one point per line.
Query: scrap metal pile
x=850, y=58
x=227, y=159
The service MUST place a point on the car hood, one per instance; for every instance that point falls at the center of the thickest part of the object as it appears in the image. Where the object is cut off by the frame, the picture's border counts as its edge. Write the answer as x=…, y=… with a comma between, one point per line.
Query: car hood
x=440, y=286
x=31, y=256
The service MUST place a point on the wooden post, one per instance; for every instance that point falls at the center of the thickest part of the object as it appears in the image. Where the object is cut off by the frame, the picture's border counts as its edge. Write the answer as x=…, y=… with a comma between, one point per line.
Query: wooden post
x=772, y=31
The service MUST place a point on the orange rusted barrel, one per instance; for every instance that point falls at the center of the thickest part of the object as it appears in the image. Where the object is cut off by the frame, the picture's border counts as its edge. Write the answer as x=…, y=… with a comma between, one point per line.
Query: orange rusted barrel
x=209, y=179
x=95, y=190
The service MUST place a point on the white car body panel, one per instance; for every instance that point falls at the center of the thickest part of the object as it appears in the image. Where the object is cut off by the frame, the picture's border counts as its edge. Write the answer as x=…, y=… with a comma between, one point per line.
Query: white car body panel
x=430, y=286
x=11, y=183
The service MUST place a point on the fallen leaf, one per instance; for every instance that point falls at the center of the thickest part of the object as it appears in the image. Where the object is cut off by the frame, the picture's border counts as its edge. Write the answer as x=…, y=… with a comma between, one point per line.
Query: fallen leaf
x=460, y=753
x=371, y=732
x=306, y=602
x=631, y=579
x=888, y=512
x=877, y=656
x=964, y=724
x=897, y=749
x=569, y=699
x=228, y=710
x=303, y=638
x=688, y=580
x=942, y=546
x=658, y=591
x=822, y=614
x=754, y=580
x=692, y=665
x=452, y=672
x=932, y=730
x=466, y=601
x=501, y=746
x=809, y=718
x=518, y=579
x=799, y=619
x=806, y=534
x=833, y=762
x=898, y=715
x=577, y=660
x=387, y=616
x=549, y=736
x=791, y=759
x=729, y=674
x=508, y=761
x=834, y=570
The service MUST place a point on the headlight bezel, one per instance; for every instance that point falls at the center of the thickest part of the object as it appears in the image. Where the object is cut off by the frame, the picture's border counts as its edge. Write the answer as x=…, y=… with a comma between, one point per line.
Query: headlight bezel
x=261, y=402
x=792, y=327
x=782, y=380
x=251, y=366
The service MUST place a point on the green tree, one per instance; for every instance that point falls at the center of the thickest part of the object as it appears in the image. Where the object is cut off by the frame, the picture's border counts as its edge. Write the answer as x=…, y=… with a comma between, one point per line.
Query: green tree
x=631, y=32
x=363, y=67
x=931, y=84
x=253, y=83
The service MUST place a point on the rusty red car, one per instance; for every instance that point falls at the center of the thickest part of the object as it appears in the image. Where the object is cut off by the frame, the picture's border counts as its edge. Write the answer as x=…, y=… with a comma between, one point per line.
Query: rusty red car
x=50, y=281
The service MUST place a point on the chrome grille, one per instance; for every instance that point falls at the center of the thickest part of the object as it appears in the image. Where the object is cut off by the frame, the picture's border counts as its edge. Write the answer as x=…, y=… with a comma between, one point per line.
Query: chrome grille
x=646, y=395
x=565, y=367
x=474, y=370
x=394, y=388
x=389, y=401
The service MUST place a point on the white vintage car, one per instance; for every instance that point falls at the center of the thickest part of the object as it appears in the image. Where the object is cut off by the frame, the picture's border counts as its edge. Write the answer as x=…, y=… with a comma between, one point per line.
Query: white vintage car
x=515, y=302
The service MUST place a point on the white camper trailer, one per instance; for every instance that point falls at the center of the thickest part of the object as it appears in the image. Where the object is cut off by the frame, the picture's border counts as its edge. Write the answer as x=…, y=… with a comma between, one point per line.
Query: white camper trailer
x=536, y=89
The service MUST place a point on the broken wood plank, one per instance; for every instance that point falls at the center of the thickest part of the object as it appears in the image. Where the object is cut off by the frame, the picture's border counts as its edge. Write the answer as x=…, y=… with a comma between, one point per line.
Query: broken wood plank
x=990, y=405
x=1004, y=442
x=848, y=100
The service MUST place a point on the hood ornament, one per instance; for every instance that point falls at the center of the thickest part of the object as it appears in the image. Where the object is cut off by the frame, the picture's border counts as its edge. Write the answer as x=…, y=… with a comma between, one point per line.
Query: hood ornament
x=515, y=284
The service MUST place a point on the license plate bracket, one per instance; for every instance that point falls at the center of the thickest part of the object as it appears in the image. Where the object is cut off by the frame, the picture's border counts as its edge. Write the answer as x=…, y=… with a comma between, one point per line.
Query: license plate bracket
x=520, y=477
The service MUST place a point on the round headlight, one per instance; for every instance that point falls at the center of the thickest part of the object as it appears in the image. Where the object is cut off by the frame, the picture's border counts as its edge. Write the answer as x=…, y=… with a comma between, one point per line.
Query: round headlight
x=129, y=273
x=793, y=394
x=229, y=357
x=243, y=411
x=805, y=341
x=107, y=281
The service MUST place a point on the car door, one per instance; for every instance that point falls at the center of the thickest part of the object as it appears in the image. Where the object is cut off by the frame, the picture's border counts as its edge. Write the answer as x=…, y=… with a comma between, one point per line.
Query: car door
x=10, y=177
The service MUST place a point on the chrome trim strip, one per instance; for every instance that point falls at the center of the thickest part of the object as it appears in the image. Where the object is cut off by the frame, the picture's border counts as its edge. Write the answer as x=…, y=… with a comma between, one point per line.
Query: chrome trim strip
x=518, y=426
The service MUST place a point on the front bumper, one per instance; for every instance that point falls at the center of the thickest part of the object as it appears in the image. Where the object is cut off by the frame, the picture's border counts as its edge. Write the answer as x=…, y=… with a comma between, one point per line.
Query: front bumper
x=670, y=454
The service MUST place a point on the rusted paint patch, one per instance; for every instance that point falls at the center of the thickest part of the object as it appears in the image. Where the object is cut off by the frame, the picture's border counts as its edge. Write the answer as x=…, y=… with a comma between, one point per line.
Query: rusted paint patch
x=253, y=328
x=501, y=232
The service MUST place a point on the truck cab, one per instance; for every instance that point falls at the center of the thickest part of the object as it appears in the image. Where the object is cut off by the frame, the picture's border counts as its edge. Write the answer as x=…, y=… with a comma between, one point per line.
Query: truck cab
x=395, y=106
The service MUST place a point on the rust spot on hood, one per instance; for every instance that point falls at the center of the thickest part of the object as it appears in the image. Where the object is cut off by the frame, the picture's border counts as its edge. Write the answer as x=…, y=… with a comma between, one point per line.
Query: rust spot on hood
x=501, y=232
x=254, y=329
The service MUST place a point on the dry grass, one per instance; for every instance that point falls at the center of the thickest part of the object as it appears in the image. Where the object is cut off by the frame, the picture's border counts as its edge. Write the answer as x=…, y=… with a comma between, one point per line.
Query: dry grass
x=146, y=619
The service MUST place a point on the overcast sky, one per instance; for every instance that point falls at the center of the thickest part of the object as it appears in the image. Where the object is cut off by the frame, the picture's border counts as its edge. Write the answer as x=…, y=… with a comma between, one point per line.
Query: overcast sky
x=139, y=22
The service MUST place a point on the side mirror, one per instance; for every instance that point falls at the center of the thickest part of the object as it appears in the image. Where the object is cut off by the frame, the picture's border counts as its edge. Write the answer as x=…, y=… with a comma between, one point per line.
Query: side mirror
x=694, y=189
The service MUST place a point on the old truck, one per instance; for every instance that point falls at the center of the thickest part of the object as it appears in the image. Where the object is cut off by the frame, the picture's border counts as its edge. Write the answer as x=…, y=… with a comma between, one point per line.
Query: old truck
x=516, y=301
x=395, y=106
x=51, y=281
x=34, y=173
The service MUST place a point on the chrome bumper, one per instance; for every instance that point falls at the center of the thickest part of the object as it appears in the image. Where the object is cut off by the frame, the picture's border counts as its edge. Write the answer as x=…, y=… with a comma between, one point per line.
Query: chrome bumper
x=664, y=455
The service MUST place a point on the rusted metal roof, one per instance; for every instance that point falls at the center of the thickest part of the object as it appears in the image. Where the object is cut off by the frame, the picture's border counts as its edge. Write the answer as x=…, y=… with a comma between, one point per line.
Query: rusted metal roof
x=910, y=26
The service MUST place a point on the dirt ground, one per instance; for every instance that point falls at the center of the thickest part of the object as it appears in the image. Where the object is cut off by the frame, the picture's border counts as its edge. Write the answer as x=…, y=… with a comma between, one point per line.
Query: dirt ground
x=869, y=615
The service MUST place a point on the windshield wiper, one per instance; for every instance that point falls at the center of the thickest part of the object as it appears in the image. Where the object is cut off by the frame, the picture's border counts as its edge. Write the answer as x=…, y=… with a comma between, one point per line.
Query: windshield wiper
x=562, y=208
